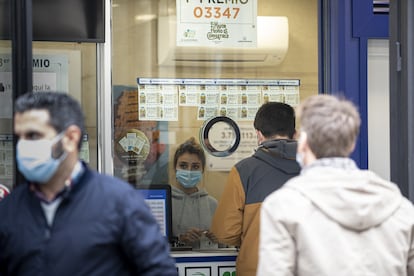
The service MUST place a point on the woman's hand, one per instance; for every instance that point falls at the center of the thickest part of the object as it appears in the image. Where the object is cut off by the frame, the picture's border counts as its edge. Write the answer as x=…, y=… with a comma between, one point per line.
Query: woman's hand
x=211, y=236
x=195, y=234
x=192, y=235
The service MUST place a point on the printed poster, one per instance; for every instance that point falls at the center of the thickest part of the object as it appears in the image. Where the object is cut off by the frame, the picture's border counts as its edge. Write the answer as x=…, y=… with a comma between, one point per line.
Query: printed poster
x=225, y=23
x=50, y=73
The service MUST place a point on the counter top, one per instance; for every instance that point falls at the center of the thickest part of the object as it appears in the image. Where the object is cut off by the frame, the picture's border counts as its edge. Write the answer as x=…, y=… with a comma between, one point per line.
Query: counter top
x=205, y=252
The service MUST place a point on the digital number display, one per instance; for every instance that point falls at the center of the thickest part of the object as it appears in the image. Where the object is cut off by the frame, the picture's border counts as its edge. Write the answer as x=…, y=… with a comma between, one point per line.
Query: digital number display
x=215, y=12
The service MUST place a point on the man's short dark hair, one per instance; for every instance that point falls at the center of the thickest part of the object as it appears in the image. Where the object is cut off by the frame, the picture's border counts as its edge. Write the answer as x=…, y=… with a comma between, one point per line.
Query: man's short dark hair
x=275, y=118
x=63, y=109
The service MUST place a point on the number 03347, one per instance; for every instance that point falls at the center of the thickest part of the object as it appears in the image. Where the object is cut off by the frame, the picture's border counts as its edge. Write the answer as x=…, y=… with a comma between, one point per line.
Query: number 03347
x=216, y=12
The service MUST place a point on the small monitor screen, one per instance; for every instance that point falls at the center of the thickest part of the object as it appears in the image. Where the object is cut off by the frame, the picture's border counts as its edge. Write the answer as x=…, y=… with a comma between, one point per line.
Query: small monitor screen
x=60, y=20
x=158, y=198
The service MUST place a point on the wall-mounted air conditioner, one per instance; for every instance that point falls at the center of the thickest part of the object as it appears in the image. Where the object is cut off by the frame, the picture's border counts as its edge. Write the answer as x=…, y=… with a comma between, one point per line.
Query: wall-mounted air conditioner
x=272, y=46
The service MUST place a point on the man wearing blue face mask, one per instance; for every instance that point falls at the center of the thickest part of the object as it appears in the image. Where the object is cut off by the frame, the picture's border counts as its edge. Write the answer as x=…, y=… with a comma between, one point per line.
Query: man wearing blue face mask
x=193, y=208
x=67, y=219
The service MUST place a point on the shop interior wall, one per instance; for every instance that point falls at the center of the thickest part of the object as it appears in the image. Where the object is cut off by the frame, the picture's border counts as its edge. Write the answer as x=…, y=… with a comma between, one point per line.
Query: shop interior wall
x=135, y=55
x=6, y=124
x=81, y=83
x=81, y=79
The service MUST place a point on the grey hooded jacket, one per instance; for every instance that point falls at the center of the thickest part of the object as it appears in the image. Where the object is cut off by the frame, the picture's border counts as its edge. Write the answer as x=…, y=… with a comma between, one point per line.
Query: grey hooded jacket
x=194, y=210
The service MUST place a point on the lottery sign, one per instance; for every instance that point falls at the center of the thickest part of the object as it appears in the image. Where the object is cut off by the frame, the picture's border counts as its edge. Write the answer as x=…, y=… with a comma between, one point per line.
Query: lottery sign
x=222, y=23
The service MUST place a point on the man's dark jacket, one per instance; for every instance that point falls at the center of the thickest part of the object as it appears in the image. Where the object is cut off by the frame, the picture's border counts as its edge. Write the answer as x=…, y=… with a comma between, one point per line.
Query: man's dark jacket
x=101, y=227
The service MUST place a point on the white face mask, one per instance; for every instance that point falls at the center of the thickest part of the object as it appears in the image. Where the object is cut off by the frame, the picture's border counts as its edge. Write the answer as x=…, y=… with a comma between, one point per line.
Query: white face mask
x=299, y=159
x=299, y=156
x=35, y=160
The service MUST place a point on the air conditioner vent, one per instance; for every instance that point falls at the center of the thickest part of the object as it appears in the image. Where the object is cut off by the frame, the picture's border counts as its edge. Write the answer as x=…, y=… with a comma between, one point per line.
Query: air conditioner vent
x=272, y=46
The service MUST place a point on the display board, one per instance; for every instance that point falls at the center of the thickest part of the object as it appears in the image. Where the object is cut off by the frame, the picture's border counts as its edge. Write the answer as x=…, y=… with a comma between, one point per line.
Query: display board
x=160, y=99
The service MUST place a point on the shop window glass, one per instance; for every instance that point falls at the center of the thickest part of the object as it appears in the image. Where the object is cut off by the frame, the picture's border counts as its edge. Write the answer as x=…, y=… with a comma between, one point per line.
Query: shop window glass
x=160, y=102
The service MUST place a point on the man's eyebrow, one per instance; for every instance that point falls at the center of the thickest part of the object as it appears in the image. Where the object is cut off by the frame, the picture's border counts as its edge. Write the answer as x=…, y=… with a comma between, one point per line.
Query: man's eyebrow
x=28, y=132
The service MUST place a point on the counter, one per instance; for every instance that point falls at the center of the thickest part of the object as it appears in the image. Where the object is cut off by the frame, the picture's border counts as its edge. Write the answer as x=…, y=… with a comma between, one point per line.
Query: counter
x=212, y=262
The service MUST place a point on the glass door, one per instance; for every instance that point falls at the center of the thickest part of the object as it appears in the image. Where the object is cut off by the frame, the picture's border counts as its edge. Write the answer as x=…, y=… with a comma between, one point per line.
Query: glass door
x=6, y=124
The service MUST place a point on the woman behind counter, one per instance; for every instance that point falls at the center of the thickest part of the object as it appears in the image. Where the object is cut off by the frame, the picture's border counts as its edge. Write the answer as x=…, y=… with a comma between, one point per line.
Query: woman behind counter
x=193, y=208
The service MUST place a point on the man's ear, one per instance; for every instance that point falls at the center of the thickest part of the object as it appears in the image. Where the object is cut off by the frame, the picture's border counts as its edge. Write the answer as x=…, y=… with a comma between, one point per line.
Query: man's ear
x=352, y=148
x=295, y=135
x=72, y=138
x=260, y=137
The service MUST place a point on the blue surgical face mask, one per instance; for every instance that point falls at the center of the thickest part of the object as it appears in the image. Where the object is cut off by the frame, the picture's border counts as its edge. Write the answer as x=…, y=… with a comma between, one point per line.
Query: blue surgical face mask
x=188, y=179
x=35, y=161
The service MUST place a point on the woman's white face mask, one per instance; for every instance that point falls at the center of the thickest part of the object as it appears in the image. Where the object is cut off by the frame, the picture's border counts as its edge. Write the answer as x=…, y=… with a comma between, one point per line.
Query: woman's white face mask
x=35, y=159
x=299, y=154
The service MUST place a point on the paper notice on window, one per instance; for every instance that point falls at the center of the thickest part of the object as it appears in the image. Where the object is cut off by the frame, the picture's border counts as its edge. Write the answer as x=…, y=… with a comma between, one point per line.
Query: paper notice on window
x=248, y=143
x=50, y=73
x=217, y=23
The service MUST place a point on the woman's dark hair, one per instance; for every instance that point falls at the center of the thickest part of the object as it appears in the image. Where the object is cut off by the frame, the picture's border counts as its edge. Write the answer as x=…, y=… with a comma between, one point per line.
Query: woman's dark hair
x=192, y=147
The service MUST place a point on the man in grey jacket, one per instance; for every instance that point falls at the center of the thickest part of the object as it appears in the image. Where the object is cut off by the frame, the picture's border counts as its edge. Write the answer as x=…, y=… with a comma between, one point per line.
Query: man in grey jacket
x=236, y=220
x=334, y=219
